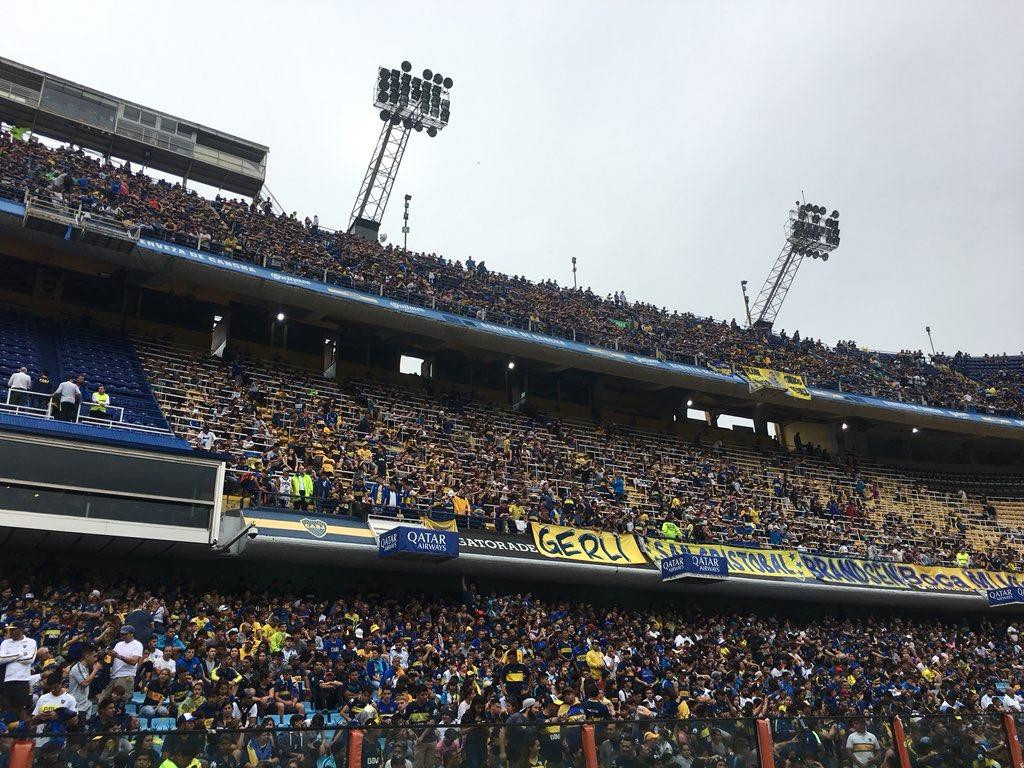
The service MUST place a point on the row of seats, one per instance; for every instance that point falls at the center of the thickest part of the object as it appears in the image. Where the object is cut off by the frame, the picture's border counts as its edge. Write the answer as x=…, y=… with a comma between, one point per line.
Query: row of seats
x=441, y=443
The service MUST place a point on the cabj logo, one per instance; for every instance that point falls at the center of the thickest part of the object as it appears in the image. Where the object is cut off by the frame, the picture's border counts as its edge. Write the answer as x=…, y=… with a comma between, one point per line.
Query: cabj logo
x=316, y=528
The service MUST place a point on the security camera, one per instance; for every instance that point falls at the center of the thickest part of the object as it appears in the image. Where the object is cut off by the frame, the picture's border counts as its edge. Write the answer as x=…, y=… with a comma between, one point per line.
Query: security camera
x=253, y=532
x=214, y=544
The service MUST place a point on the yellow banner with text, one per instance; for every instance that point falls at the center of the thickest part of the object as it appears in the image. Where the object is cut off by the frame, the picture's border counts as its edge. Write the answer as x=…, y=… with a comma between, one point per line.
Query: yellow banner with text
x=759, y=563
x=586, y=546
x=766, y=378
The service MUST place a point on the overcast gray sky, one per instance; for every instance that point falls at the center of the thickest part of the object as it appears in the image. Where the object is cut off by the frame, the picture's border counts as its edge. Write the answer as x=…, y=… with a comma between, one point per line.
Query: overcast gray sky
x=661, y=143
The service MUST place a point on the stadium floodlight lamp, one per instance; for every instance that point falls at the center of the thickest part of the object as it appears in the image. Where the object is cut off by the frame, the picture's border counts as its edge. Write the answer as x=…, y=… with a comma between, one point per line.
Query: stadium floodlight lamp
x=511, y=365
x=845, y=425
x=915, y=430
x=425, y=102
x=280, y=317
x=810, y=231
x=405, y=103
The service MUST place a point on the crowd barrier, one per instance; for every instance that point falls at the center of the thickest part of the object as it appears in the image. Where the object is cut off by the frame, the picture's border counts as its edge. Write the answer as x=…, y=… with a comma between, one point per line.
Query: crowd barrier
x=40, y=405
x=327, y=741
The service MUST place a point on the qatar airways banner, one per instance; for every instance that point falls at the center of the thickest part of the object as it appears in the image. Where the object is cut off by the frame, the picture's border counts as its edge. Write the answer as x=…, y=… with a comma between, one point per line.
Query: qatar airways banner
x=1005, y=596
x=694, y=567
x=419, y=543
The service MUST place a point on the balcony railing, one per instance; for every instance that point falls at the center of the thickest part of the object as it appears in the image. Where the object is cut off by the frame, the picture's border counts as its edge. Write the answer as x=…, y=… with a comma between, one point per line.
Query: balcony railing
x=367, y=736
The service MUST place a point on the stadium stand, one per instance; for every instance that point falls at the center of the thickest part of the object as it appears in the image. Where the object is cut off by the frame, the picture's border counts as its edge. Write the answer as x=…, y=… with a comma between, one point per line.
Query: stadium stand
x=400, y=450
x=252, y=232
x=382, y=668
x=667, y=686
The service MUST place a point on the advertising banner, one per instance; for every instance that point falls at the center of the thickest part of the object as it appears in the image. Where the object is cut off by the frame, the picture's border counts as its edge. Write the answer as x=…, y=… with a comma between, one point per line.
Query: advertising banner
x=586, y=546
x=758, y=563
x=1005, y=596
x=439, y=525
x=419, y=543
x=766, y=378
x=695, y=567
x=852, y=572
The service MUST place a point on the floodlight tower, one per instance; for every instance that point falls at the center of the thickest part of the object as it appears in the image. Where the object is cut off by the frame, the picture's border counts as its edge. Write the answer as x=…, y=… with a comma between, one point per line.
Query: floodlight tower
x=406, y=104
x=809, y=232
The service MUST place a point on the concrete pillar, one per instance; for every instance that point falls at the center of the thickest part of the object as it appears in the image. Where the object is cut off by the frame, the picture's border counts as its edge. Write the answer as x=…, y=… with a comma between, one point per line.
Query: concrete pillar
x=330, y=356
x=761, y=419
x=221, y=333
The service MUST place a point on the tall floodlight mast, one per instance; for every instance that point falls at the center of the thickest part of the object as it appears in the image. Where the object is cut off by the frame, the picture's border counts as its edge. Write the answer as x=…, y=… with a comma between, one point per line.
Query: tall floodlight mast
x=406, y=104
x=809, y=232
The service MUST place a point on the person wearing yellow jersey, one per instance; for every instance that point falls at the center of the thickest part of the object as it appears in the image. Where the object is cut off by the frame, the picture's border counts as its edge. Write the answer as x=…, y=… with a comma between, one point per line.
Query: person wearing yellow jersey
x=682, y=709
x=595, y=662
x=100, y=401
x=460, y=503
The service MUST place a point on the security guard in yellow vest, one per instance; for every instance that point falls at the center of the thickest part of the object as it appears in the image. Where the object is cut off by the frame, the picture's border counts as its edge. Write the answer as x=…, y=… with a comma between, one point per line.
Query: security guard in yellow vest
x=100, y=401
x=670, y=531
x=302, y=489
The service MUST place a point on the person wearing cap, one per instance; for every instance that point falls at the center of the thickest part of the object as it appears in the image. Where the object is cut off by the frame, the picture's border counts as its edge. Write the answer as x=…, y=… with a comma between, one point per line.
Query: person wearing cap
x=126, y=655
x=518, y=734
x=17, y=654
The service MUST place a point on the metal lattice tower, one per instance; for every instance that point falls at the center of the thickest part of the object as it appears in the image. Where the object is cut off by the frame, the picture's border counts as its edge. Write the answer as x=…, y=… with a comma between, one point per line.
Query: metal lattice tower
x=808, y=233
x=378, y=180
x=406, y=104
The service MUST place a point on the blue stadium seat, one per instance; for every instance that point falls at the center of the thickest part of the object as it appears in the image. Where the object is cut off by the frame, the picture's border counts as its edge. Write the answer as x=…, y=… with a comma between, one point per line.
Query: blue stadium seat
x=162, y=724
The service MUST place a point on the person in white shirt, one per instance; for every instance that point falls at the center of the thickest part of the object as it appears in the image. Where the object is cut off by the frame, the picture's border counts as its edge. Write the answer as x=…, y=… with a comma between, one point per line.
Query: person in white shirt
x=17, y=653
x=55, y=710
x=206, y=438
x=70, y=396
x=862, y=745
x=19, y=383
x=127, y=655
x=164, y=660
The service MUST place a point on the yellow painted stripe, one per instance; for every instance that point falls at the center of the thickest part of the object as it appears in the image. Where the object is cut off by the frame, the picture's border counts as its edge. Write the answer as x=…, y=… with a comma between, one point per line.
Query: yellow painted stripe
x=295, y=525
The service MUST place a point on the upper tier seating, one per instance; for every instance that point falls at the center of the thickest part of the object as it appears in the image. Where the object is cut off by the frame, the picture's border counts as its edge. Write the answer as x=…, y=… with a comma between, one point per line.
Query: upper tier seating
x=252, y=232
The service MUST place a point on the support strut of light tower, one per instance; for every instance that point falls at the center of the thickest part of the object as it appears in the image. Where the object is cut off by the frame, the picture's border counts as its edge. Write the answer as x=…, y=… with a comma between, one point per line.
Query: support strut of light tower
x=809, y=232
x=406, y=104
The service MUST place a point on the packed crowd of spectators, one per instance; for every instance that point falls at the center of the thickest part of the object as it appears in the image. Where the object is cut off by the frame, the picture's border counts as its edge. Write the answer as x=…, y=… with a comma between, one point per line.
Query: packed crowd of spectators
x=296, y=440
x=254, y=232
x=483, y=679
x=999, y=373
